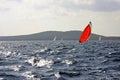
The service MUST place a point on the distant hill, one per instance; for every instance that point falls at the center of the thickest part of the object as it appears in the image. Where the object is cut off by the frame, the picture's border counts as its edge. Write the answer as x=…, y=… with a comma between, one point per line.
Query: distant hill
x=49, y=35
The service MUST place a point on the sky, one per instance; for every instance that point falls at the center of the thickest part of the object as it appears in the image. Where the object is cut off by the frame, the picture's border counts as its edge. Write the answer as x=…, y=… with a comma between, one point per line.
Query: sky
x=21, y=17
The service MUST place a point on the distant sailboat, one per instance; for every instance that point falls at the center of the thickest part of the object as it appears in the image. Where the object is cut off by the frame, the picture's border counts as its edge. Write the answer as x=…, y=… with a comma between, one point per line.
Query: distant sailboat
x=55, y=38
x=100, y=38
x=86, y=33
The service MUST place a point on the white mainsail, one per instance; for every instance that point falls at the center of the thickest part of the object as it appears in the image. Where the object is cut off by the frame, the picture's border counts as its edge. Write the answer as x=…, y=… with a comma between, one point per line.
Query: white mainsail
x=100, y=38
x=55, y=38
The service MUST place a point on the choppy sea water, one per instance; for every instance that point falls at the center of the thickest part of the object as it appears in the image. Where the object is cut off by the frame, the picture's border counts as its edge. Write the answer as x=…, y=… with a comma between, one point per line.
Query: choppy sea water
x=59, y=60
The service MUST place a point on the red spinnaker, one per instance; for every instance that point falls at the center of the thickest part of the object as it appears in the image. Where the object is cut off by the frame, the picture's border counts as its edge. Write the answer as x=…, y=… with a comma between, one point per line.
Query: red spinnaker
x=85, y=34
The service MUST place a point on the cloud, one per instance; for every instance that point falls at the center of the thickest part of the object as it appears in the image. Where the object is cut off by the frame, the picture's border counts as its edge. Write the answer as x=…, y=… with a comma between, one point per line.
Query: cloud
x=93, y=5
x=72, y=7
x=117, y=0
x=7, y=5
x=14, y=0
x=62, y=7
x=106, y=5
x=59, y=13
x=68, y=5
x=3, y=9
x=54, y=9
x=85, y=2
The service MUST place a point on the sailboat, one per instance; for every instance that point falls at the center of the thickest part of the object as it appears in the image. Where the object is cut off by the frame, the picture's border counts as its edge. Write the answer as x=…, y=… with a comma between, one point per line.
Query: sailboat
x=86, y=33
x=100, y=38
x=55, y=38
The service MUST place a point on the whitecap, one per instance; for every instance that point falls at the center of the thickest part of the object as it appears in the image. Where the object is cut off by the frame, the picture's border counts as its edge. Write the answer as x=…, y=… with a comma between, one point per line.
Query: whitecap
x=57, y=75
x=16, y=67
x=43, y=50
x=7, y=53
x=1, y=78
x=12, y=67
x=72, y=50
x=33, y=61
x=67, y=62
x=28, y=74
x=43, y=62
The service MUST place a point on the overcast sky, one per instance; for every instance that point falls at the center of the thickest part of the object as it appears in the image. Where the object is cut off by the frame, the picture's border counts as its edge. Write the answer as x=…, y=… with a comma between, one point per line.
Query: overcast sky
x=19, y=17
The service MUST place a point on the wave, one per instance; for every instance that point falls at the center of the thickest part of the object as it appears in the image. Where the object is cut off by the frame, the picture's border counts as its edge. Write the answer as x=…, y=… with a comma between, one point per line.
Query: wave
x=66, y=60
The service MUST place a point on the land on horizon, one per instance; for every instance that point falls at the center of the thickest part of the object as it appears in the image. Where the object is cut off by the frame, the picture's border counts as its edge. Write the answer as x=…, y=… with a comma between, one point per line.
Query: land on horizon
x=49, y=35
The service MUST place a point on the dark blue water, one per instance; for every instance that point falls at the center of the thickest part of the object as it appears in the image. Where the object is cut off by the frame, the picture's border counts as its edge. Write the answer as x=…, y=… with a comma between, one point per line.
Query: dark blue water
x=59, y=60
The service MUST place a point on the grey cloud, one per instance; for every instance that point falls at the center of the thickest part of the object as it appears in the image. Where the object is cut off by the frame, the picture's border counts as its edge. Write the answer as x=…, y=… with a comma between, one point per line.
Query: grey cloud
x=2, y=9
x=14, y=0
x=5, y=7
x=106, y=5
x=69, y=6
x=99, y=5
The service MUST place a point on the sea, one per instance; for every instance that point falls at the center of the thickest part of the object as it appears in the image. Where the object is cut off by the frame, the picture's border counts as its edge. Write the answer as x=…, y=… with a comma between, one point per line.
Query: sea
x=60, y=60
